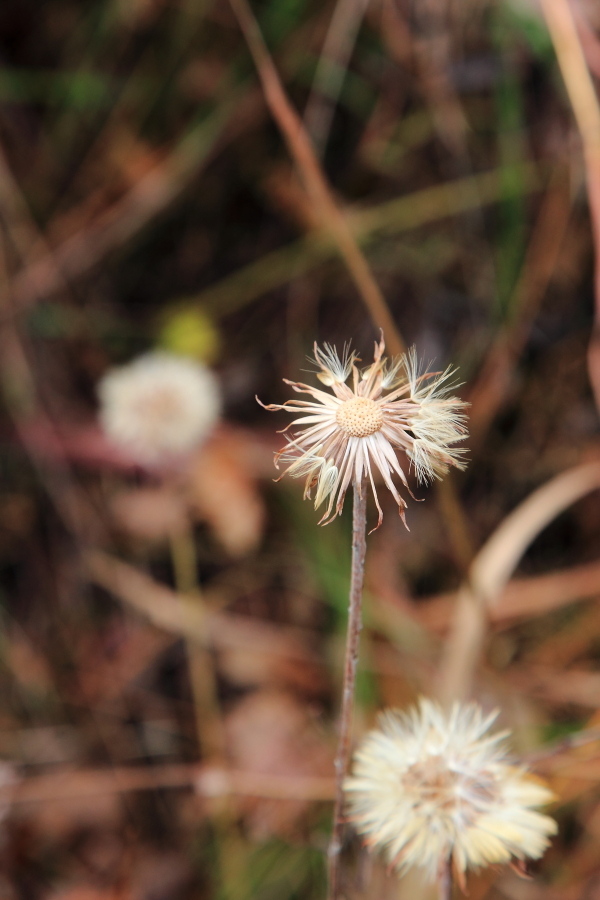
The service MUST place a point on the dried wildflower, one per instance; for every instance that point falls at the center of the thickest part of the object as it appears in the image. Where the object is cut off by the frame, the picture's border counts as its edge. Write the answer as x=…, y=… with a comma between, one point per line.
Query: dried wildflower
x=429, y=786
x=391, y=406
x=159, y=406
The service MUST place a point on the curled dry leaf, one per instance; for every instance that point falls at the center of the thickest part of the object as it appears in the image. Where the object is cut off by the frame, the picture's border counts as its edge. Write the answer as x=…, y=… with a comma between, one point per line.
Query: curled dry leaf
x=223, y=491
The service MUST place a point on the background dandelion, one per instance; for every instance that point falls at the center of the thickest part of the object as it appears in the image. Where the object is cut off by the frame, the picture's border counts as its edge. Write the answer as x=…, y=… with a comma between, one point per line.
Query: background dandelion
x=159, y=407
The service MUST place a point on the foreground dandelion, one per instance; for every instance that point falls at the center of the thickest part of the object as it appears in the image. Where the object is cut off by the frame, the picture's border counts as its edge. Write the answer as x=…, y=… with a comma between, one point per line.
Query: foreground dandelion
x=158, y=407
x=390, y=406
x=429, y=788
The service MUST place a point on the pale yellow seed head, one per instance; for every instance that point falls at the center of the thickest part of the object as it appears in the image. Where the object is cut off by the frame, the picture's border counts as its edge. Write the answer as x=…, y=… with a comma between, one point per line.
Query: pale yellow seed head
x=359, y=417
x=430, y=780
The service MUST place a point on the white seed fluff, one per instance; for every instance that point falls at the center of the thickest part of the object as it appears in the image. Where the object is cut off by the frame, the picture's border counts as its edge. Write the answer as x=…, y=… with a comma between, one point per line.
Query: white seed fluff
x=428, y=786
x=158, y=407
x=358, y=429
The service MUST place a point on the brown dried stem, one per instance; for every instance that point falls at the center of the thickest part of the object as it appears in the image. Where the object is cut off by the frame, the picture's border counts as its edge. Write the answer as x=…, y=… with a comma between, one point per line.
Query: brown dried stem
x=445, y=880
x=315, y=182
x=586, y=109
x=359, y=548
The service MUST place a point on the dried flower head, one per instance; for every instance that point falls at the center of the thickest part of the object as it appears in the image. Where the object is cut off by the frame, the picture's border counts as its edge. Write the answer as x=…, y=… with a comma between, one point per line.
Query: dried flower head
x=159, y=406
x=391, y=406
x=429, y=786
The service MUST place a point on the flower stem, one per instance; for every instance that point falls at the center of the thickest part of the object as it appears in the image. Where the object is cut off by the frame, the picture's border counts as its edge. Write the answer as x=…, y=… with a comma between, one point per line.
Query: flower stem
x=359, y=547
x=445, y=880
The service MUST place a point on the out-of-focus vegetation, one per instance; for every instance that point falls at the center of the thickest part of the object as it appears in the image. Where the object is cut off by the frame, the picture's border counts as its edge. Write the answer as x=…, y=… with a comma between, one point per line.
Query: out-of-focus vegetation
x=171, y=640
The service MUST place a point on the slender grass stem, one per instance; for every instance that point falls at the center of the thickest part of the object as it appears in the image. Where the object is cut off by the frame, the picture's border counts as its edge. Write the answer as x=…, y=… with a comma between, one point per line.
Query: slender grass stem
x=359, y=547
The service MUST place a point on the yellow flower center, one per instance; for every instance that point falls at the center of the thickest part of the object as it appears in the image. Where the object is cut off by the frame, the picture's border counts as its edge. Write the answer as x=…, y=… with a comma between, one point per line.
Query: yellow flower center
x=359, y=417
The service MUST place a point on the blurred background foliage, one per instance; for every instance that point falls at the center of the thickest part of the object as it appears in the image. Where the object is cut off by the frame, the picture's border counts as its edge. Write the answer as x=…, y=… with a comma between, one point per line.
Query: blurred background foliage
x=171, y=642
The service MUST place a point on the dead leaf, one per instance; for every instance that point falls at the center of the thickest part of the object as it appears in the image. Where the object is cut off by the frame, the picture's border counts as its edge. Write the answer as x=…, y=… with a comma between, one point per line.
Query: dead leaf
x=272, y=733
x=223, y=492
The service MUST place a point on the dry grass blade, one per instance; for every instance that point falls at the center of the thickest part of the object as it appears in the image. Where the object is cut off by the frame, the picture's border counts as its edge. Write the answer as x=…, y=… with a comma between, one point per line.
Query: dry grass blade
x=491, y=570
x=315, y=182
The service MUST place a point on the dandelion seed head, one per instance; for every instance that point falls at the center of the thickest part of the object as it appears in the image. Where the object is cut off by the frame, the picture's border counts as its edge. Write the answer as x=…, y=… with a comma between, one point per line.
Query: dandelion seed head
x=428, y=785
x=357, y=429
x=158, y=407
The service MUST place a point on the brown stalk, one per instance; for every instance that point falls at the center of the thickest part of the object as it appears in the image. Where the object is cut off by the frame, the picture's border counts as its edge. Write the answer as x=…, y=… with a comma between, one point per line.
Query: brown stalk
x=445, y=880
x=317, y=187
x=582, y=94
x=359, y=549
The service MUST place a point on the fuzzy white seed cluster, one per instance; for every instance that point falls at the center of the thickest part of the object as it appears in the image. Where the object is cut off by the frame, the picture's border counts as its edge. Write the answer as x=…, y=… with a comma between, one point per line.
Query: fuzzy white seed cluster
x=428, y=786
x=158, y=407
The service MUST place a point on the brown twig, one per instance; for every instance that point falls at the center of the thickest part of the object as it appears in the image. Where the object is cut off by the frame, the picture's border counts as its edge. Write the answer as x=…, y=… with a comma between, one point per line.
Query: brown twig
x=359, y=549
x=445, y=880
x=317, y=187
x=582, y=94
